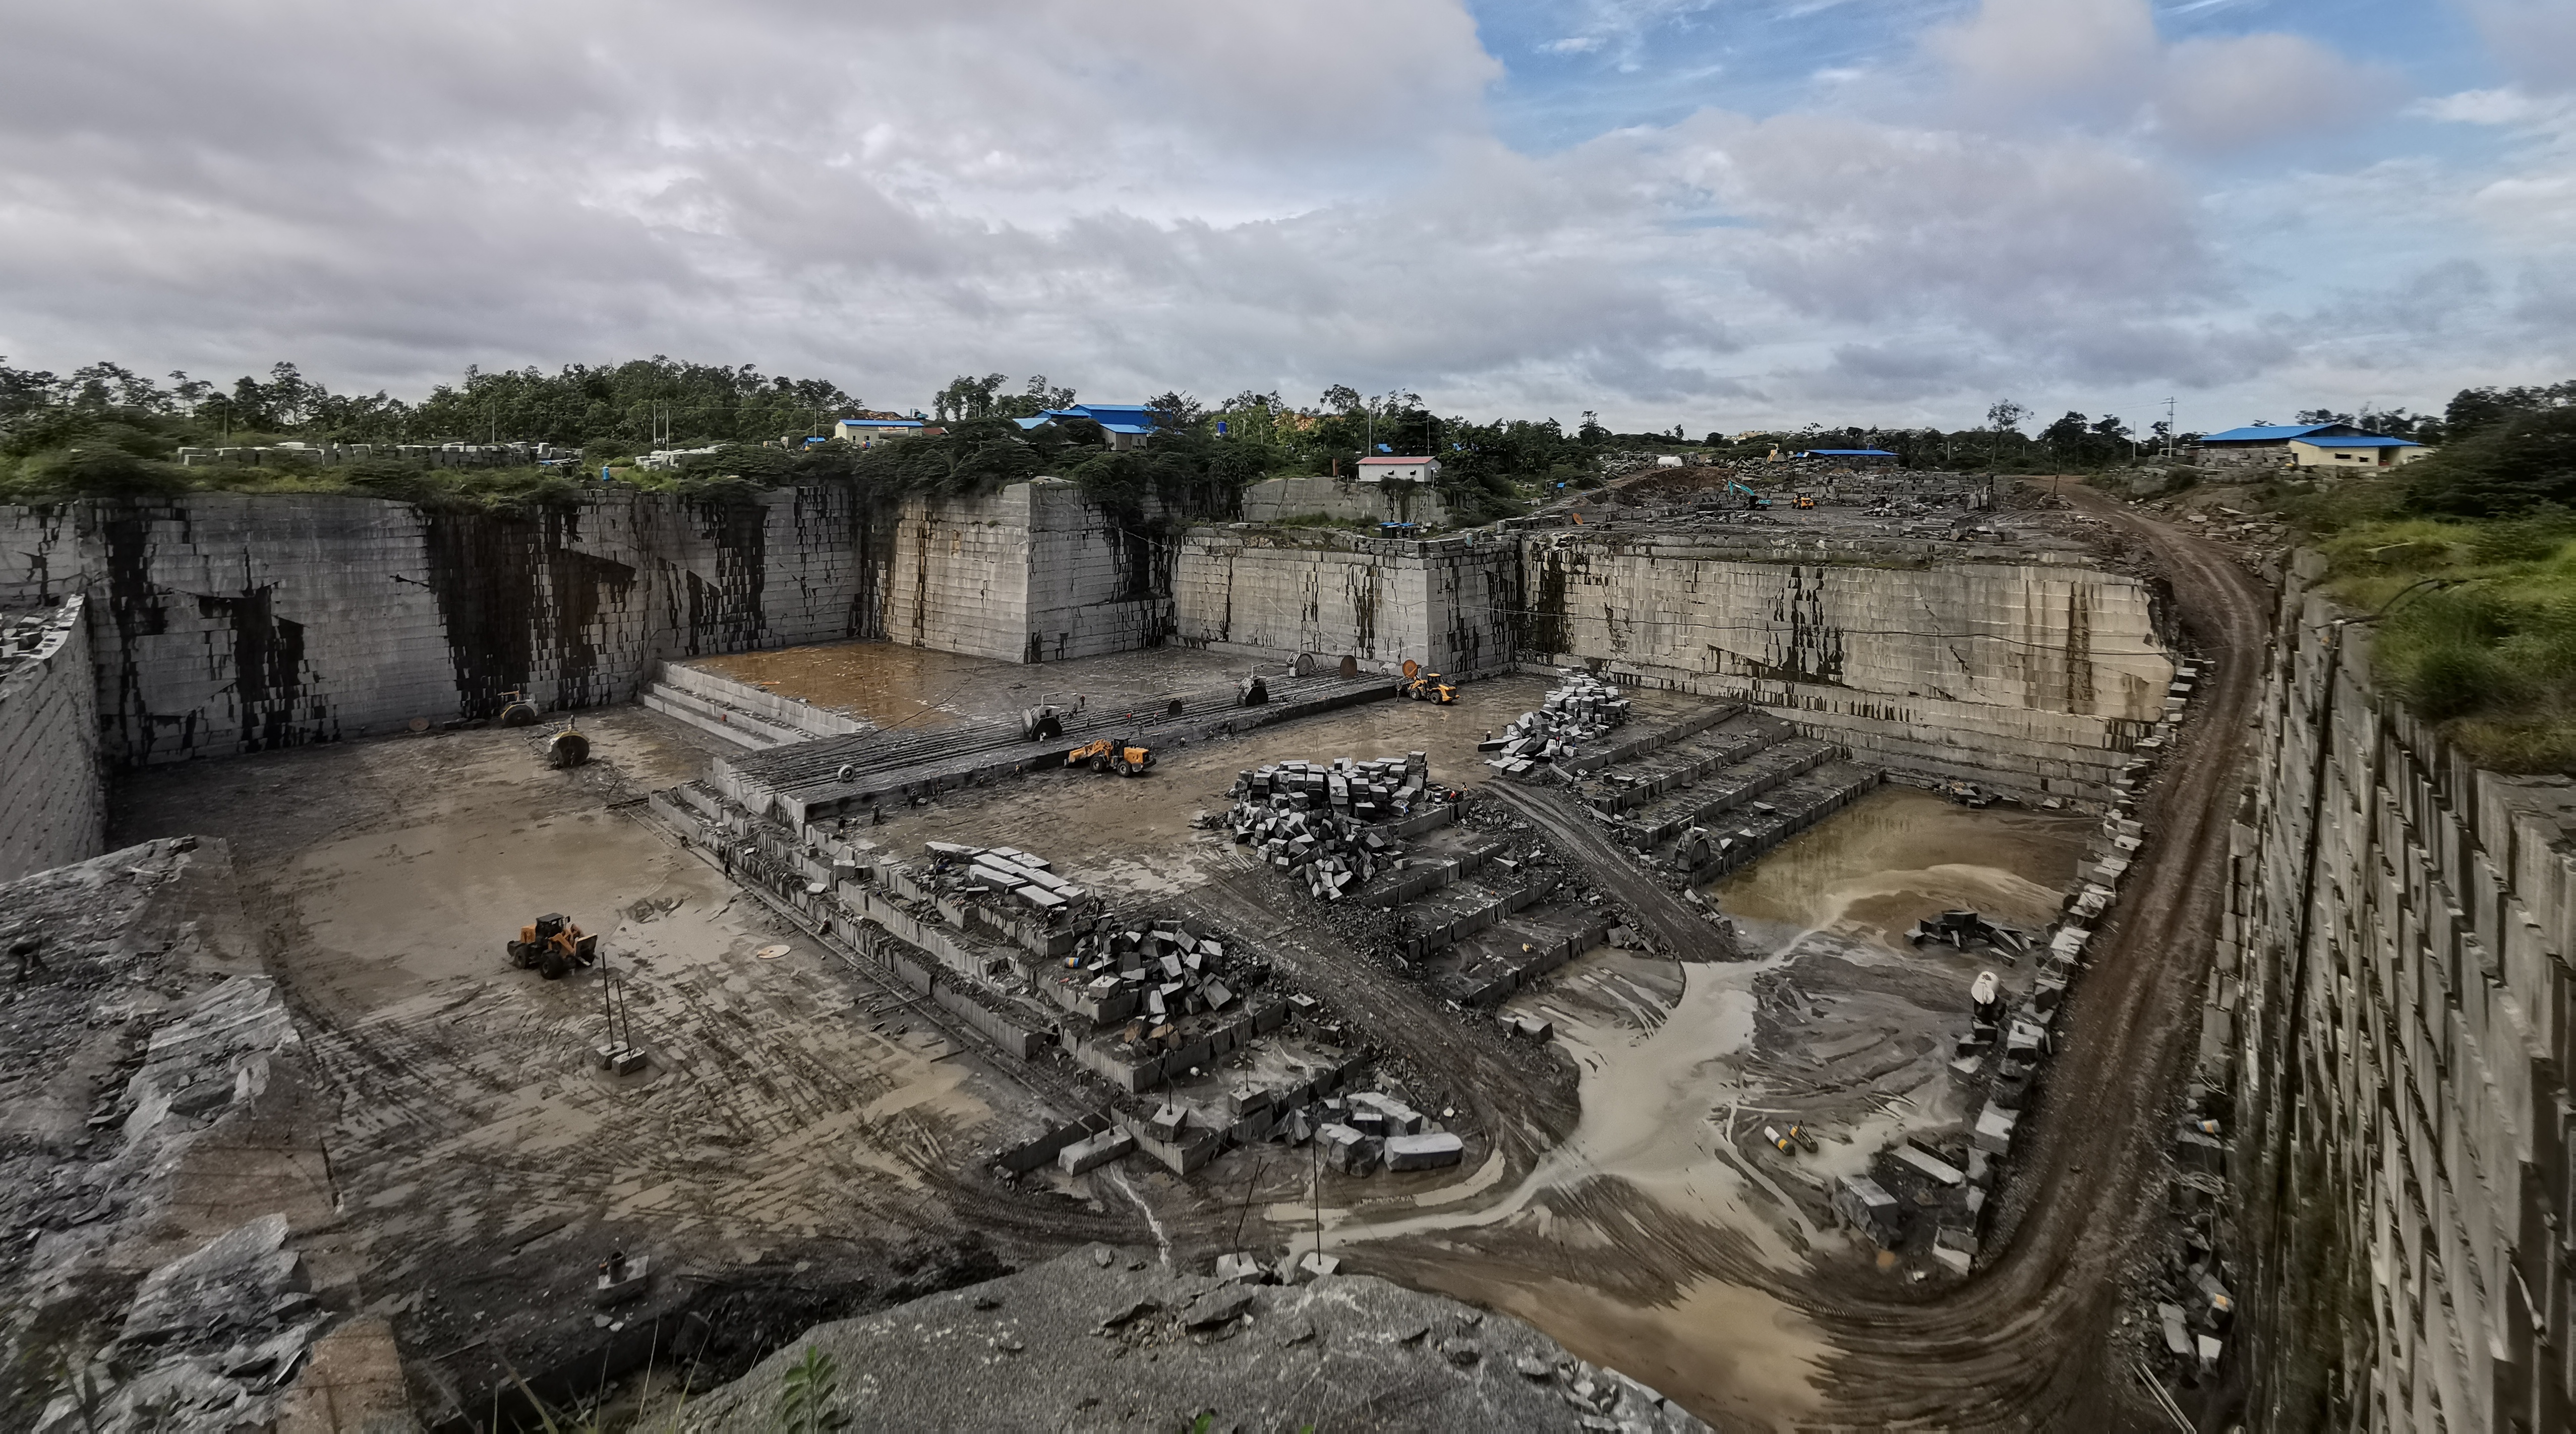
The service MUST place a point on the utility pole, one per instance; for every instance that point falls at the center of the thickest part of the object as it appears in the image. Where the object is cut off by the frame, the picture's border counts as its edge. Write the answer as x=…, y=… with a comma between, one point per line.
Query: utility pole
x=2169, y=430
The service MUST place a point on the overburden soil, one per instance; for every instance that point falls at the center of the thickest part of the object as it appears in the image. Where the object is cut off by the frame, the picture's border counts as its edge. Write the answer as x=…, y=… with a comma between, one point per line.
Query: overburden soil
x=2026, y=1343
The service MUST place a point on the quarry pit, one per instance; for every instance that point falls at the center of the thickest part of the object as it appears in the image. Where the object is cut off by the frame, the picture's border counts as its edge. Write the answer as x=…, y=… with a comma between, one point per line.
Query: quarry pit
x=1619, y=996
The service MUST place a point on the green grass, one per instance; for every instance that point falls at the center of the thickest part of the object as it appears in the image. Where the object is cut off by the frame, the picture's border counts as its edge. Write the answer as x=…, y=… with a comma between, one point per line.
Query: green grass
x=2488, y=651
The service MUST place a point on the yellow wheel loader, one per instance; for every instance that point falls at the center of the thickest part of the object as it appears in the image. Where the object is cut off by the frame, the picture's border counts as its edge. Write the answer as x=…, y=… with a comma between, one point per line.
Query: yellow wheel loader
x=1424, y=686
x=1108, y=754
x=552, y=947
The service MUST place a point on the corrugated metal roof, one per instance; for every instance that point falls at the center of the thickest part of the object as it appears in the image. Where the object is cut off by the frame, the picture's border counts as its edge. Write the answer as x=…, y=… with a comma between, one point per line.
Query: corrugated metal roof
x=2268, y=433
x=2367, y=440
x=1116, y=417
x=1401, y=459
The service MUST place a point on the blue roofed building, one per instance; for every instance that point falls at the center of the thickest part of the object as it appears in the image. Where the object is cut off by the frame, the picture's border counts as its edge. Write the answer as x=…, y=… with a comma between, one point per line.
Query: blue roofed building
x=869, y=430
x=2329, y=446
x=1127, y=424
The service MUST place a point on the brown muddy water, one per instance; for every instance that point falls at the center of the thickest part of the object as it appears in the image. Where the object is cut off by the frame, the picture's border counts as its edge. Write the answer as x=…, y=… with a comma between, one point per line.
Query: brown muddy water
x=1675, y=1088
x=1901, y=854
x=886, y=683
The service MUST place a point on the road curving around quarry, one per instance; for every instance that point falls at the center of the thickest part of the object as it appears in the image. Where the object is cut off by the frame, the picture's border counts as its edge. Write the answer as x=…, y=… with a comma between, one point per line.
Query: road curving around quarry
x=2027, y=1342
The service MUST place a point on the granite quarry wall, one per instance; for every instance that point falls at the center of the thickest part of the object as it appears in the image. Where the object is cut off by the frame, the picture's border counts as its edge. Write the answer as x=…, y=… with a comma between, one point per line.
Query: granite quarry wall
x=53, y=801
x=2029, y=676
x=1275, y=593
x=2395, y=1014
x=222, y=622
x=1030, y=573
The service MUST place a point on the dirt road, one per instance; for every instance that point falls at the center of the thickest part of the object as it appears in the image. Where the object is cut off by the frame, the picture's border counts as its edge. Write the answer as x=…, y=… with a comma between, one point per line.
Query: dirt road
x=2027, y=1343
x=1676, y=926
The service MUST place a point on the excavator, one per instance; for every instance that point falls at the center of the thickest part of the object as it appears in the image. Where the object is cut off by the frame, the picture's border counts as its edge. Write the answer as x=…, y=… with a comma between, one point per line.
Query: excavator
x=1424, y=686
x=553, y=947
x=1112, y=754
x=1752, y=499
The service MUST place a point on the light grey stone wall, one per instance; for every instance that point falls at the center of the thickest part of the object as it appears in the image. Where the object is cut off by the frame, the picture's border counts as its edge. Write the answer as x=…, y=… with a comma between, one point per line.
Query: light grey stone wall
x=1449, y=605
x=1029, y=573
x=227, y=622
x=2392, y=1009
x=53, y=800
x=2038, y=637
x=1275, y=499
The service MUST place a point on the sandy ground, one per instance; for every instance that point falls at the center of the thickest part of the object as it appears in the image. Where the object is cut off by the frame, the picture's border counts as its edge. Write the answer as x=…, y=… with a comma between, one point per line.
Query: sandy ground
x=792, y=1112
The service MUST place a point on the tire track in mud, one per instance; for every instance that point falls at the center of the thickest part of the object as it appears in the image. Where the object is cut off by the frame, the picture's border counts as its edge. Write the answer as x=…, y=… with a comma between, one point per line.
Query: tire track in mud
x=1683, y=931
x=2026, y=1341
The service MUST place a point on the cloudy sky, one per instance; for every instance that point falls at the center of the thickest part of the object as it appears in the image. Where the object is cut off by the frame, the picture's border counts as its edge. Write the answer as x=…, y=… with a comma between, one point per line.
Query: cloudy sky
x=1717, y=213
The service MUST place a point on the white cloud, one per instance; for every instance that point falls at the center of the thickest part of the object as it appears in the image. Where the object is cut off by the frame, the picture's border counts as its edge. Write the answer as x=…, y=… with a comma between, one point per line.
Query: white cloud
x=2533, y=40
x=2102, y=63
x=1573, y=45
x=1193, y=196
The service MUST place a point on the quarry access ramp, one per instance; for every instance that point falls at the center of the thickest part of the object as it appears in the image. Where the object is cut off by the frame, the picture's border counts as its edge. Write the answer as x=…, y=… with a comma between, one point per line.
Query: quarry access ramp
x=2027, y=1342
x=806, y=782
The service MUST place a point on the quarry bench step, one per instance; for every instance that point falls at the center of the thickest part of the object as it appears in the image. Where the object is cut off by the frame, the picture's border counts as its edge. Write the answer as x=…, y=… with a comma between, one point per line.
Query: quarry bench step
x=1460, y=924
x=1654, y=739
x=807, y=782
x=1688, y=762
x=1732, y=786
x=802, y=718
x=1796, y=806
x=731, y=723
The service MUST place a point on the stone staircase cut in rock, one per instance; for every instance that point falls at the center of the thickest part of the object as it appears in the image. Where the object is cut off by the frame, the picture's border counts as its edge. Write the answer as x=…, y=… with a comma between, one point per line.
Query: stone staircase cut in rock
x=739, y=712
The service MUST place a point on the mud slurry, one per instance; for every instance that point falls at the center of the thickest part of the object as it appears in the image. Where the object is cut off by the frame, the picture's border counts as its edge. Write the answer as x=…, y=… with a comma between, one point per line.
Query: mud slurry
x=1652, y=1238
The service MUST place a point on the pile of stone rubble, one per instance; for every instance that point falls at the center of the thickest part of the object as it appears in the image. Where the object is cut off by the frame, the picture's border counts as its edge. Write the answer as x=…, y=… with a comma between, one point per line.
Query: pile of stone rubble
x=1159, y=973
x=1583, y=709
x=1317, y=821
x=1004, y=871
x=1373, y=791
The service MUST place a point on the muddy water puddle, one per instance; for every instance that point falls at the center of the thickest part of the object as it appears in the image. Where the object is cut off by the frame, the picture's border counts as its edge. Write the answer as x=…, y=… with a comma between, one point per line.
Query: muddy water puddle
x=1660, y=1050
x=1665, y=1175
x=887, y=683
x=1902, y=854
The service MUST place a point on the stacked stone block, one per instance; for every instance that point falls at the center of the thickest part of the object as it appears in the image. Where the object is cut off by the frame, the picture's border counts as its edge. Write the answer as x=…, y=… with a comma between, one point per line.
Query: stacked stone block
x=2392, y=1009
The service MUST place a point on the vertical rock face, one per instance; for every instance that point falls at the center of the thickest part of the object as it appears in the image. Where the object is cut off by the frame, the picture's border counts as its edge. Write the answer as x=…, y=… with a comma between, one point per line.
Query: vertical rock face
x=227, y=623
x=1449, y=606
x=2392, y=1012
x=53, y=804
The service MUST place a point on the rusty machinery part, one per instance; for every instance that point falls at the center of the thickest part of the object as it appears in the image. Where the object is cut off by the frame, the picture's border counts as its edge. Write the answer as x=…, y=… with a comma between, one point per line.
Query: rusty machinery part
x=1304, y=666
x=552, y=947
x=567, y=748
x=1412, y=668
x=1251, y=692
x=1350, y=668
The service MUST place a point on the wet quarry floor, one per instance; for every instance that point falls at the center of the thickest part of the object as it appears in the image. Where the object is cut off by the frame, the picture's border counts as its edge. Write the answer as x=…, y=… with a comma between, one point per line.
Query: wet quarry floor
x=810, y=1138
